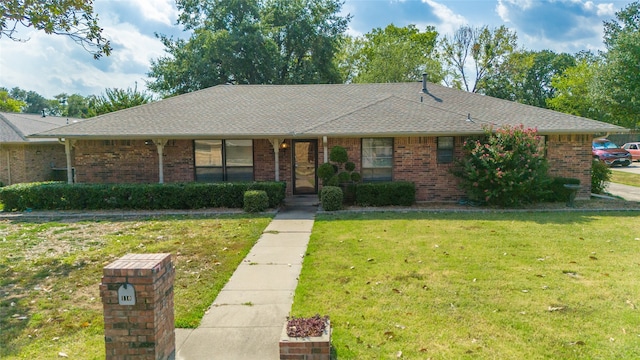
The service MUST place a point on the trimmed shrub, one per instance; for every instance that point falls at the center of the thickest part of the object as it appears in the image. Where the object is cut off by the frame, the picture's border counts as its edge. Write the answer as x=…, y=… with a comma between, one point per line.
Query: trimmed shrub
x=62, y=196
x=255, y=201
x=339, y=155
x=331, y=198
x=402, y=193
x=600, y=175
x=326, y=172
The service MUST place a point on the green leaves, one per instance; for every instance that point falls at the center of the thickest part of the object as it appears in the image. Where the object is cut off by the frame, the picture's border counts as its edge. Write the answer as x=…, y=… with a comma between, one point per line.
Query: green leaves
x=72, y=18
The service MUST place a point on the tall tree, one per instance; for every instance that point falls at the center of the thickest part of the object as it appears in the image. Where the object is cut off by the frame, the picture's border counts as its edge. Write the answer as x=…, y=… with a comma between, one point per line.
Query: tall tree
x=9, y=104
x=72, y=18
x=35, y=103
x=617, y=83
x=526, y=77
x=116, y=99
x=573, y=88
x=473, y=54
x=251, y=42
x=394, y=54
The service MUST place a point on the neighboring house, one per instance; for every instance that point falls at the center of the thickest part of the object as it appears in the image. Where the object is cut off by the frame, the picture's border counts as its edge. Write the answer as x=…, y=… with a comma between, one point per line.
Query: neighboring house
x=24, y=159
x=404, y=131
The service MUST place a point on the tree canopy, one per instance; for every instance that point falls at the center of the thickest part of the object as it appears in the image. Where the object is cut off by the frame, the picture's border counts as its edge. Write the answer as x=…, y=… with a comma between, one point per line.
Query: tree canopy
x=251, y=42
x=392, y=54
x=72, y=18
x=482, y=48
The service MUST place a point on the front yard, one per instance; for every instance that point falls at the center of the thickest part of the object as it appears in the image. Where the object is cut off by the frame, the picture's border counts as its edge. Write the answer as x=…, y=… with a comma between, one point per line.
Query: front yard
x=49, y=275
x=554, y=285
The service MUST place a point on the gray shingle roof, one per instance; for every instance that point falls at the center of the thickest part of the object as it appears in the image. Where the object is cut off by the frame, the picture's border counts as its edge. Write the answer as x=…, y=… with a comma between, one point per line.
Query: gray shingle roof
x=15, y=127
x=262, y=111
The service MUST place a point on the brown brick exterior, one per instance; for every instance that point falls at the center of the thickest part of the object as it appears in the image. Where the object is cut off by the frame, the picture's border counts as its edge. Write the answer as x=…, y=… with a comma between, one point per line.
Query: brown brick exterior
x=415, y=160
x=132, y=161
x=30, y=162
x=144, y=331
x=570, y=156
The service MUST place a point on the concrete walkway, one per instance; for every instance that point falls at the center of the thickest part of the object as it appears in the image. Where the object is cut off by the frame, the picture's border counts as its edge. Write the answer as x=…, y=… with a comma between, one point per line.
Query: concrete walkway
x=629, y=193
x=246, y=319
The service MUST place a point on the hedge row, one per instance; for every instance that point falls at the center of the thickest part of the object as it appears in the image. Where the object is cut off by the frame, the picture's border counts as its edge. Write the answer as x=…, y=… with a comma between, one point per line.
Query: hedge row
x=401, y=193
x=62, y=196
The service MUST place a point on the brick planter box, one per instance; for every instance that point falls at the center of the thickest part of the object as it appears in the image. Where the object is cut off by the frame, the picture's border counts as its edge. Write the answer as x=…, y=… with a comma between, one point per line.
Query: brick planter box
x=306, y=348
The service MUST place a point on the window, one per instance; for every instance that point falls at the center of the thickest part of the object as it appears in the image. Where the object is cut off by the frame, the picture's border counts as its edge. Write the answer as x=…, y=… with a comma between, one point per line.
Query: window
x=377, y=159
x=224, y=160
x=445, y=149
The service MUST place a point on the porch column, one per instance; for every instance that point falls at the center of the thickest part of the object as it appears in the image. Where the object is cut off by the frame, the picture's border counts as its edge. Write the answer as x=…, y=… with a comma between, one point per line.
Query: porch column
x=68, y=146
x=275, y=142
x=324, y=144
x=160, y=143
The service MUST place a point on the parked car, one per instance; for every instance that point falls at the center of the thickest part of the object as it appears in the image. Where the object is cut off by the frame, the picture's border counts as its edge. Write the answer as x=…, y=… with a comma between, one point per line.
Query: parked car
x=608, y=152
x=634, y=149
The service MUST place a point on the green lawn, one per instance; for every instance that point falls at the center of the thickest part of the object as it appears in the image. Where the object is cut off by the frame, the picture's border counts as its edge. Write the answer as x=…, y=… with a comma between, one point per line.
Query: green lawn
x=556, y=285
x=50, y=273
x=625, y=178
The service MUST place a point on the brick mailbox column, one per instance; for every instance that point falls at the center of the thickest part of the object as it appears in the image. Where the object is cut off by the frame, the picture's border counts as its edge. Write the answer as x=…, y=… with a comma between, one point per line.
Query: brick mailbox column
x=137, y=296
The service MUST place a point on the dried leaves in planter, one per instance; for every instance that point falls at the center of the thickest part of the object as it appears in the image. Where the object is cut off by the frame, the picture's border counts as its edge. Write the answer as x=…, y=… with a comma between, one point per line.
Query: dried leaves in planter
x=305, y=327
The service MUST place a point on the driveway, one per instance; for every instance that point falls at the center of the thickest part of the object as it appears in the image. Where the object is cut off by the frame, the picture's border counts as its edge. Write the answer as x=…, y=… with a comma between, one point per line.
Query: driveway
x=634, y=168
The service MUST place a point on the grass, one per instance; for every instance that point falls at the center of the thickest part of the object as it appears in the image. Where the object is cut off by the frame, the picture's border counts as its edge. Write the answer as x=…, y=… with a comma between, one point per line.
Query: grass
x=625, y=178
x=50, y=272
x=476, y=285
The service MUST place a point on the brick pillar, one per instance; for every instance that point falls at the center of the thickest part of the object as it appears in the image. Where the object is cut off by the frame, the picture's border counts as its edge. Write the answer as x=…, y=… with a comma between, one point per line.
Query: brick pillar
x=144, y=330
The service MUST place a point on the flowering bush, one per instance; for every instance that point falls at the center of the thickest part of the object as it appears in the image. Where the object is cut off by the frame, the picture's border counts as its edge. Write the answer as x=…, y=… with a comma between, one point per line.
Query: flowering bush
x=505, y=168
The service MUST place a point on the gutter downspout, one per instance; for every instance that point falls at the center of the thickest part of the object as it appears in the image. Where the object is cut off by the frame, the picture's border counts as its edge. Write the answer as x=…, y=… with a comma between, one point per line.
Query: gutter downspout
x=160, y=143
x=9, y=166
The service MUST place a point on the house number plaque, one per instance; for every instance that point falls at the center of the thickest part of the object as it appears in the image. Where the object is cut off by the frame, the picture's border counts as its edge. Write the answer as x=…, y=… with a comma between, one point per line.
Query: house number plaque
x=126, y=295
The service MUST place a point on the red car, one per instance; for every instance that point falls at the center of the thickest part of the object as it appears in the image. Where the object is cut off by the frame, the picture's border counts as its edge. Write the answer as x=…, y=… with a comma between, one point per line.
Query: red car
x=634, y=149
x=608, y=152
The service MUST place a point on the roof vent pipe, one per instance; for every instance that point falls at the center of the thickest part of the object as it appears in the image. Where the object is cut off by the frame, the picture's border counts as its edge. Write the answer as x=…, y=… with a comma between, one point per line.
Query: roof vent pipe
x=424, y=83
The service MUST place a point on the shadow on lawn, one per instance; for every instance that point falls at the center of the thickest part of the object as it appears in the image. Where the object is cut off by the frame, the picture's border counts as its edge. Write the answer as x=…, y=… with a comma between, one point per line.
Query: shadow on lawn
x=564, y=216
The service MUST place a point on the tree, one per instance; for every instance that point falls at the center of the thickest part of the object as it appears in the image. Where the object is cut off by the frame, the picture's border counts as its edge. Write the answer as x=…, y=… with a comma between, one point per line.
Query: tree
x=393, y=54
x=506, y=168
x=116, y=99
x=618, y=82
x=9, y=104
x=75, y=105
x=251, y=42
x=485, y=48
x=72, y=18
x=526, y=77
x=35, y=103
x=573, y=88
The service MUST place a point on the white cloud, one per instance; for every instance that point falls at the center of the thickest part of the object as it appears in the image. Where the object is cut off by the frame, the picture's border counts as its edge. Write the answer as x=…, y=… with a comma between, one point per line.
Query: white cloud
x=449, y=20
x=162, y=11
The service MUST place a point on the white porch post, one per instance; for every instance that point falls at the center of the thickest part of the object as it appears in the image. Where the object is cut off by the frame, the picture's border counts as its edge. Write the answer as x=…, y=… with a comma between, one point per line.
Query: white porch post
x=324, y=144
x=160, y=143
x=68, y=145
x=275, y=142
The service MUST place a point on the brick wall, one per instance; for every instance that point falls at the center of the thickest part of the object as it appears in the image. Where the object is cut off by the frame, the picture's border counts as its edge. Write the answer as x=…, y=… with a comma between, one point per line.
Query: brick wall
x=570, y=156
x=30, y=162
x=132, y=161
x=415, y=160
x=144, y=330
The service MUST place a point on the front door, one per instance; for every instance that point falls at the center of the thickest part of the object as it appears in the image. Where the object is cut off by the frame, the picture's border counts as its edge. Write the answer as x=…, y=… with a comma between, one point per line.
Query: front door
x=305, y=156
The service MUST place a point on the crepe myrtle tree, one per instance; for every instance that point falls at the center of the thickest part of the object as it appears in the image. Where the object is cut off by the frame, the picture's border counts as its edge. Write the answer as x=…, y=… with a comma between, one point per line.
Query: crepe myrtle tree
x=504, y=168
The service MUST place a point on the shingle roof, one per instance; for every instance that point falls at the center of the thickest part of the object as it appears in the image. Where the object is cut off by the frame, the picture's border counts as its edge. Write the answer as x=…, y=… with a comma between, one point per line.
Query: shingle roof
x=261, y=111
x=15, y=127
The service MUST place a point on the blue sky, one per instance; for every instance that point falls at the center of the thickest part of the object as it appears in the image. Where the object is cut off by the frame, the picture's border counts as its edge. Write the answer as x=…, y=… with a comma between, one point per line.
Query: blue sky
x=51, y=65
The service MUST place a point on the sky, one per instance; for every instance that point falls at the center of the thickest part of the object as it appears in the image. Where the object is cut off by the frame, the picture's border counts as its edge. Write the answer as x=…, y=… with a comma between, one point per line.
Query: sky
x=50, y=65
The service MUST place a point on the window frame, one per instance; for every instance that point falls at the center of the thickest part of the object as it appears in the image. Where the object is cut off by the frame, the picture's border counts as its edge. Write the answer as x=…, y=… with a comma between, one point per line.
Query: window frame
x=226, y=171
x=376, y=173
x=445, y=155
